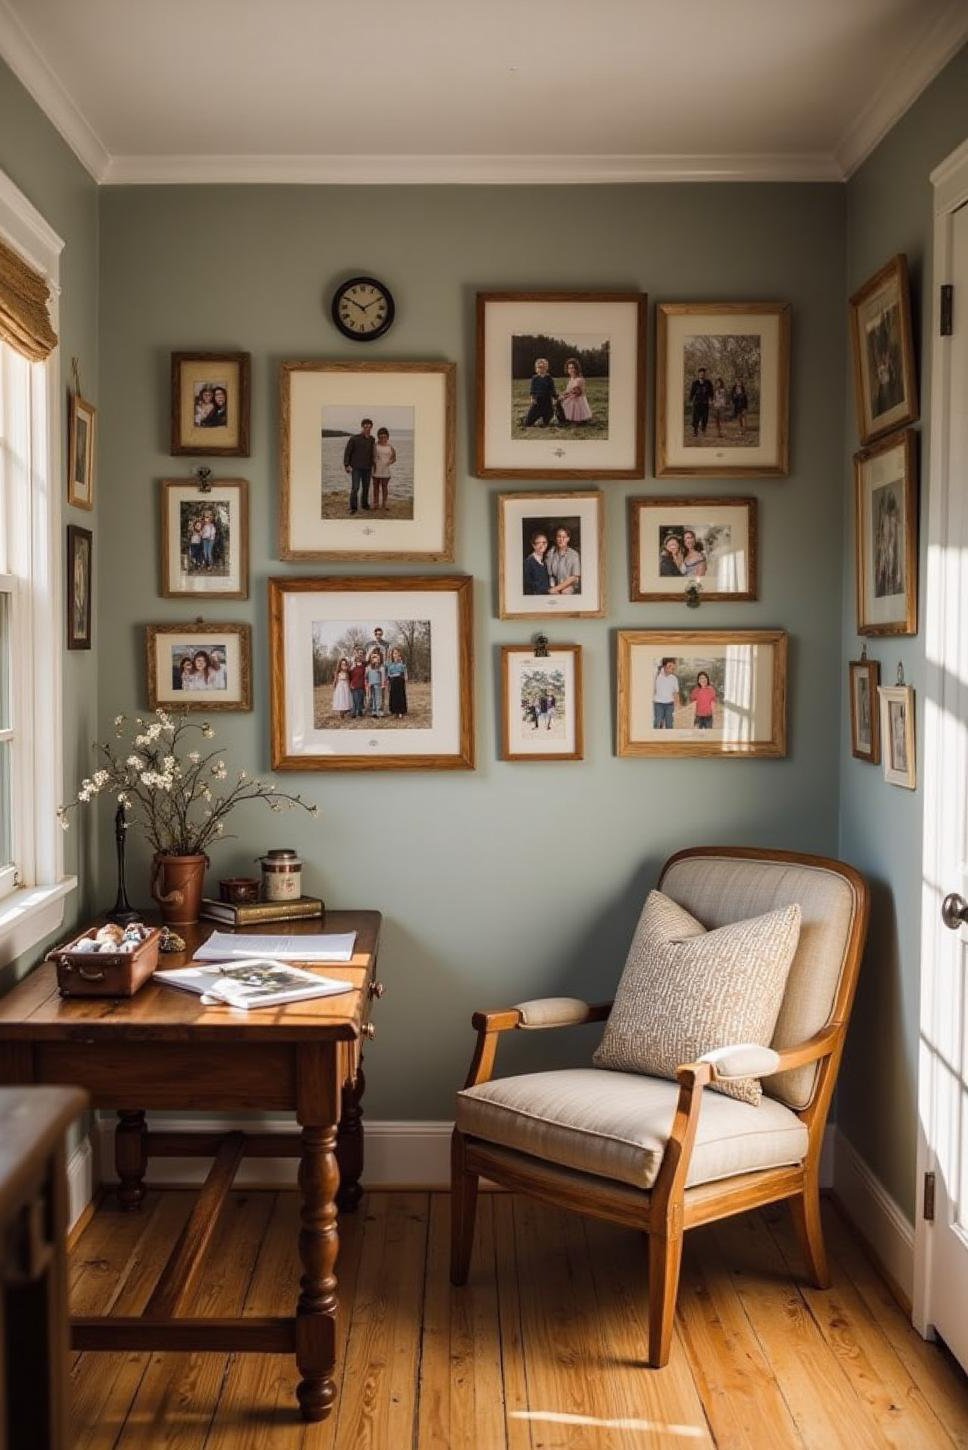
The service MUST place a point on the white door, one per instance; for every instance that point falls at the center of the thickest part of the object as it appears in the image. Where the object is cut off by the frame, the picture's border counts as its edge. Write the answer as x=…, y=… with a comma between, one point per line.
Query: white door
x=941, y=1271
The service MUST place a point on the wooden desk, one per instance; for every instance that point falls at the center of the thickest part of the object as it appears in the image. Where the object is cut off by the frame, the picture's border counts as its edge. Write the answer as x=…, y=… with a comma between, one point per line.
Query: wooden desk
x=163, y=1049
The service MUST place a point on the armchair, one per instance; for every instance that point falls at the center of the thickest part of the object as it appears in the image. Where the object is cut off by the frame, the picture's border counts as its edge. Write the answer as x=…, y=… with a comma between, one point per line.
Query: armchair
x=663, y=1157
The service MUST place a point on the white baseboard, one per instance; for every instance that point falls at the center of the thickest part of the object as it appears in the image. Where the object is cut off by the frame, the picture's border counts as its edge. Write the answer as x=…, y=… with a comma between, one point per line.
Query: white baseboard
x=80, y=1180
x=874, y=1213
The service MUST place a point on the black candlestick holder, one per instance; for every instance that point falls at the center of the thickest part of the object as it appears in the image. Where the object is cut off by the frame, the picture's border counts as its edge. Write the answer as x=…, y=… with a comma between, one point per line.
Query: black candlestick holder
x=122, y=911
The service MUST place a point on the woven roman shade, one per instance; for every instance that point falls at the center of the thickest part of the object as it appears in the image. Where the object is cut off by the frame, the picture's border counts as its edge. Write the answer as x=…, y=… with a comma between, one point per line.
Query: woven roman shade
x=24, y=319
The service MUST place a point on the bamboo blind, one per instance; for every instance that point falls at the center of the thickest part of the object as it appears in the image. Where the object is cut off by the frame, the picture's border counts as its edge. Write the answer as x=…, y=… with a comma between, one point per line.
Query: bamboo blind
x=24, y=319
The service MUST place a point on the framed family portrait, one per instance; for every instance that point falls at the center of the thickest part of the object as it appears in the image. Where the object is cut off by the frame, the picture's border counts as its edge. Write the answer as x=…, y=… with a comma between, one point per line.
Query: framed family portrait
x=367, y=459
x=708, y=692
x=897, y=733
x=210, y=403
x=81, y=418
x=542, y=711
x=561, y=384
x=677, y=544
x=205, y=539
x=885, y=382
x=199, y=666
x=886, y=536
x=722, y=389
x=80, y=578
x=372, y=673
x=864, y=678
x=551, y=555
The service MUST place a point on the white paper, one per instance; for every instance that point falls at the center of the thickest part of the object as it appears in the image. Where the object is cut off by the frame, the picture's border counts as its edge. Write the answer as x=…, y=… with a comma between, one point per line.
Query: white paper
x=226, y=946
x=253, y=982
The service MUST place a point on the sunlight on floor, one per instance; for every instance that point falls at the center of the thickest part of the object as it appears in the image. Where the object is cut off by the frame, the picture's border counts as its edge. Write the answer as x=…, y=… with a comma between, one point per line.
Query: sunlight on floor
x=557, y=1417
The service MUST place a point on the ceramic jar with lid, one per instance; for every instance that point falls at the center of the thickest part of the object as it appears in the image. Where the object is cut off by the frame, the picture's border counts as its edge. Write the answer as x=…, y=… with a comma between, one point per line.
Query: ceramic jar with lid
x=281, y=875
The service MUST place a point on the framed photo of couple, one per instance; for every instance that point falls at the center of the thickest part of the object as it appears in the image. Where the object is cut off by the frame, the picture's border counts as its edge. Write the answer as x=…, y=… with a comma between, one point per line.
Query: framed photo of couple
x=710, y=692
x=205, y=539
x=210, y=404
x=551, y=555
x=561, y=384
x=886, y=535
x=678, y=543
x=885, y=380
x=542, y=716
x=722, y=389
x=367, y=460
x=199, y=666
x=865, y=737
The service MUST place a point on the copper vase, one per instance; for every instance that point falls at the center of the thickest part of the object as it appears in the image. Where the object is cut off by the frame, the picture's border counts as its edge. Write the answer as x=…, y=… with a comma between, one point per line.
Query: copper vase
x=176, y=885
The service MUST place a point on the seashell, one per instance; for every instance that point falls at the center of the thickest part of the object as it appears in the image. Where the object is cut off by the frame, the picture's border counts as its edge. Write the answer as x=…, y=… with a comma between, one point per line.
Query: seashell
x=86, y=944
x=109, y=948
x=109, y=933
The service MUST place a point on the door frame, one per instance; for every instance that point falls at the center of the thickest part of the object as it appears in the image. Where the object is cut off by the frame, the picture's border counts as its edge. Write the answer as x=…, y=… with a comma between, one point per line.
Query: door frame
x=950, y=183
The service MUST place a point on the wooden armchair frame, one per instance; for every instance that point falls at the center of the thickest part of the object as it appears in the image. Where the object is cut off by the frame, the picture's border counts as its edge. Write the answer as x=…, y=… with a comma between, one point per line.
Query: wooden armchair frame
x=666, y=1210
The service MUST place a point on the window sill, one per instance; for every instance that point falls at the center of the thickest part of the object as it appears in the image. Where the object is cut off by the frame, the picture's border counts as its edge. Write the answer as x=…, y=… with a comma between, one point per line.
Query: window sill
x=29, y=915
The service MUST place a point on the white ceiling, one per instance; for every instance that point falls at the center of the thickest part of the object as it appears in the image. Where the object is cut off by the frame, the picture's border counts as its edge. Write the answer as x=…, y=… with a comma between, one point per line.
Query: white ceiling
x=519, y=90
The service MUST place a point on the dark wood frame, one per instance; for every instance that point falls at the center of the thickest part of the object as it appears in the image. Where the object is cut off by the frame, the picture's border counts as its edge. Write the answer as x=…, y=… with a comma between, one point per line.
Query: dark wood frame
x=168, y=485
x=243, y=361
x=201, y=627
x=907, y=439
x=873, y=671
x=781, y=467
x=637, y=470
x=549, y=615
x=886, y=696
x=666, y=1211
x=448, y=372
x=77, y=405
x=460, y=585
x=637, y=507
x=575, y=650
x=74, y=533
x=895, y=270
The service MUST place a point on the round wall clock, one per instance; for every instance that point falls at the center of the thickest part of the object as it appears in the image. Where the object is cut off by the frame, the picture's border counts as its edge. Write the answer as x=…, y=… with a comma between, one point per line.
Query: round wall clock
x=363, y=308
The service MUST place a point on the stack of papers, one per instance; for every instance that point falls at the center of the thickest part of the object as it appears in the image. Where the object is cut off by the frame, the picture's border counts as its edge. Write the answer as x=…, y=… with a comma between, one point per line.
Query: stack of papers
x=227, y=946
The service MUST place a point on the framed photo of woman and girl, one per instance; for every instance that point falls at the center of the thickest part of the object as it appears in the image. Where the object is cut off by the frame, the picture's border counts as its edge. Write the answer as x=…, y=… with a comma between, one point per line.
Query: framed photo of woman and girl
x=199, y=666
x=677, y=544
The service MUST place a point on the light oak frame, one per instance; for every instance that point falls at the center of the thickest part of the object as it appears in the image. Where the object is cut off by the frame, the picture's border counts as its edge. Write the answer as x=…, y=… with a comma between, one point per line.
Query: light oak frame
x=863, y=543
x=669, y=1208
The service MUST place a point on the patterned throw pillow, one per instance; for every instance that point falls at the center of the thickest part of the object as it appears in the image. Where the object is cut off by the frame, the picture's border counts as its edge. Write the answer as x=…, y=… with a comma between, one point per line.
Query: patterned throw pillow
x=685, y=991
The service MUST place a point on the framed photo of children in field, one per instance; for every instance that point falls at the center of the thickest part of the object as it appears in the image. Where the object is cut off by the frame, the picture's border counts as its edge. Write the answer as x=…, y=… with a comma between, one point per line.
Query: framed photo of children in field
x=199, y=666
x=210, y=404
x=561, y=384
x=205, y=539
x=722, y=389
x=897, y=733
x=885, y=379
x=712, y=692
x=367, y=461
x=864, y=677
x=679, y=544
x=886, y=535
x=542, y=710
x=372, y=673
x=551, y=555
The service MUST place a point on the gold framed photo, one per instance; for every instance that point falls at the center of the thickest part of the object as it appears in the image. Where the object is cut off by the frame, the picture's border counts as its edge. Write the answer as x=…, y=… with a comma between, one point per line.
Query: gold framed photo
x=205, y=539
x=722, y=389
x=210, y=404
x=561, y=384
x=542, y=703
x=372, y=673
x=367, y=460
x=551, y=555
x=199, y=666
x=680, y=544
x=886, y=536
x=81, y=432
x=864, y=678
x=885, y=378
x=688, y=692
x=897, y=733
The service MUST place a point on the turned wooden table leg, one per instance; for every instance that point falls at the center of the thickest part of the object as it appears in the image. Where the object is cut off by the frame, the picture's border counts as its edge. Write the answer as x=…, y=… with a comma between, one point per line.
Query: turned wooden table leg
x=349, y=1144
x=131, y=1157
x=318, y=1247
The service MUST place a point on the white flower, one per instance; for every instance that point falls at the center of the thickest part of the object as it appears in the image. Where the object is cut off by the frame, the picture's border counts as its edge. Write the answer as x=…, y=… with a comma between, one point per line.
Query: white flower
x=208, y=732
x=123, y=800
x=207, y=793
x=170, y=762
x=154, y=730
x=119, y=719
x=135, y=762
x=194, y=756
x=65, y=824
x=243, y=775
x=219, y=827
x=141, y=740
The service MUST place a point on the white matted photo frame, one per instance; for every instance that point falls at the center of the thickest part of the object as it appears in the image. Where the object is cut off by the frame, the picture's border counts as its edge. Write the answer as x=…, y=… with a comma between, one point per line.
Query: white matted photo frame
x=719, y=693
x=372, y=673
x=210, y=404
x=367, y=460
x=864, y=677
x=205, y=539
x=561, y=384
x=897, y=735
x=677, y=544
x=551, y=555
x=722, y=389
x=199, y=666
x=886, y=535
x=885, y=377
x=542, y=703
x=81, y=435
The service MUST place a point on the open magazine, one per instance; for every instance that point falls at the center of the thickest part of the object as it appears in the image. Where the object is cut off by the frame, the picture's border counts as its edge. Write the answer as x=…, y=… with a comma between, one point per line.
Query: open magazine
x=253, y=982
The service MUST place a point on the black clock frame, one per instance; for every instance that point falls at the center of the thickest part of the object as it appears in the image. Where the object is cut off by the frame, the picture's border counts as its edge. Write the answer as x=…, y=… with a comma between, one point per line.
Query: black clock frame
x=341, y=292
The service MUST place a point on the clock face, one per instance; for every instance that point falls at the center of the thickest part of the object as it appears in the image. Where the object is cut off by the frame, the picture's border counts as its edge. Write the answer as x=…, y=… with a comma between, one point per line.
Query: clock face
x=363, y=309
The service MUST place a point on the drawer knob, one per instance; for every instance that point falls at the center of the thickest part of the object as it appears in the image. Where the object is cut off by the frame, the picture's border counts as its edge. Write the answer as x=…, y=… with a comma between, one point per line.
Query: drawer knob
x=377, y=989
x=369, y=1030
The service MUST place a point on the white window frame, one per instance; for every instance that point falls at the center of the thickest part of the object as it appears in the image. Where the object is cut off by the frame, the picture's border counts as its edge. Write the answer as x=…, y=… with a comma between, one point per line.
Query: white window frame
x=35, y=908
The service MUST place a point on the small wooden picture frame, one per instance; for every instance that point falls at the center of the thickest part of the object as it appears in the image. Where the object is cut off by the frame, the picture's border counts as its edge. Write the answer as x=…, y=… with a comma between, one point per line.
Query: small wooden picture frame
x=210, y=404
x=205, y=539
x=898, y=736
x=864, y=678
x=200, y=666
x=551, y=555
x=542, y=703
x=886, y=535
x=680, y=543
x=80, y=585
x=885, y=378
x=81, y=436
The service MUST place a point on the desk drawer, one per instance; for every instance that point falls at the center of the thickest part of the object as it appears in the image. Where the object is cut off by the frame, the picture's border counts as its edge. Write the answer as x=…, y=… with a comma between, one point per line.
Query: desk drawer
x=173, y=1074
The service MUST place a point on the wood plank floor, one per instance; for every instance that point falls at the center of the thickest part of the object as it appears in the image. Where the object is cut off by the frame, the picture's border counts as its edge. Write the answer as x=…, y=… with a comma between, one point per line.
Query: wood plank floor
x=544, y=1349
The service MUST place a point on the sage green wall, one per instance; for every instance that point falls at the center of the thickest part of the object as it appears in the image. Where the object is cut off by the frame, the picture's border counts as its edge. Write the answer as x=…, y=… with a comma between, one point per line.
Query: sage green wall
x=889, y=209
x=48, y=173
x=513, y=880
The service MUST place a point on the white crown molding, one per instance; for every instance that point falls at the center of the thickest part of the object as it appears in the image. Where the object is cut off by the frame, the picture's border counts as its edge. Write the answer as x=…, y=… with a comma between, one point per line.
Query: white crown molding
x=36, y=76
x=902, y=86
x=404, y=170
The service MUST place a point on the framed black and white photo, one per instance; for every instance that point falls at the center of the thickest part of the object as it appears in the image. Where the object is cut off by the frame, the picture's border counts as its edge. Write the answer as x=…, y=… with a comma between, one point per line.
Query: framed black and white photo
x=885, y=380
x=886, y=535
x=82, y=419
x=865, y=734
x=205, y=539
x=679, y=544
x=542, y=703
x=80, y=577
x=551, y=555
x=897, y=735
x=199, y=666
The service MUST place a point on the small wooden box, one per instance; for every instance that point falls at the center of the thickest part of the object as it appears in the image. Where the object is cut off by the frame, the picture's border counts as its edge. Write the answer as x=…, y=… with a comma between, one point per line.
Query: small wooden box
x=105, y=974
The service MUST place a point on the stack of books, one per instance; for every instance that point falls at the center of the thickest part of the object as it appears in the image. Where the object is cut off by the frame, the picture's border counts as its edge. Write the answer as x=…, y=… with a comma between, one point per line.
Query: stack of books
x=253, y=912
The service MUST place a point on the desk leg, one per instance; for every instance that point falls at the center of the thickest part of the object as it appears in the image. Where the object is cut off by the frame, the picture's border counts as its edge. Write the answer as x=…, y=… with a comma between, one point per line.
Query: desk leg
x=131, y=1157
x=349, y=1144
x=318, y=1247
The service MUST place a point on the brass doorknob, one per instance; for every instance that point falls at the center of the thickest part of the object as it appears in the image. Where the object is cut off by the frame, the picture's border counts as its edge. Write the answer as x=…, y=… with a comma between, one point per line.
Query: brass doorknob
x=369, y=1030
x=377, y=989
x=954, y=911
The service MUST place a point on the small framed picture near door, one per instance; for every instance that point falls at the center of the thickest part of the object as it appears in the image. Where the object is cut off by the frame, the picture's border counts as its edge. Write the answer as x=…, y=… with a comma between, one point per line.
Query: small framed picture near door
x=542, y=703
x=551, y=555
x=199, y=666
x=80, y=452
x=722, y=389
x=80, y=576
x=205, y=539
x=680, y=543
x=886, y=536
x=885, y=383
x=210, y=404
x=897, y=731
x=865, y=732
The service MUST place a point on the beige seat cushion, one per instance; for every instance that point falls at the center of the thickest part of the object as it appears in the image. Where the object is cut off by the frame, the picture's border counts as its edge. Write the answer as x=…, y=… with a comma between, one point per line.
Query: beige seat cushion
x=616, y=1124
x=685, y=991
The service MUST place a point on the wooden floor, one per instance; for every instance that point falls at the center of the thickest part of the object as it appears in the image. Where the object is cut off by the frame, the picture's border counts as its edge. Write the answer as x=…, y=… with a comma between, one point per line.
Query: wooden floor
x=543, y=1349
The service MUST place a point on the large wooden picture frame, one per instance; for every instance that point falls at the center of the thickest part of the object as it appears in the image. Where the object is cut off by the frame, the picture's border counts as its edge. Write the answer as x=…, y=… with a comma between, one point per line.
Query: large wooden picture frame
x=676, y=544
x=205, y=539
x=541, y=716
x=573, y=528
x=864, y=678
x=886, y=536
x=372, y=673
x=882, y=343
x=199, y=666
x=210, y=404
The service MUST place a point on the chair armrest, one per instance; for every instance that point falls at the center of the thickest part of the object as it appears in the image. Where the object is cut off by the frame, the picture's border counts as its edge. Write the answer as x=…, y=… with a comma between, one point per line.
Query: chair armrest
x=538, y=1014
x=744, y=1059
x=822, y=1044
